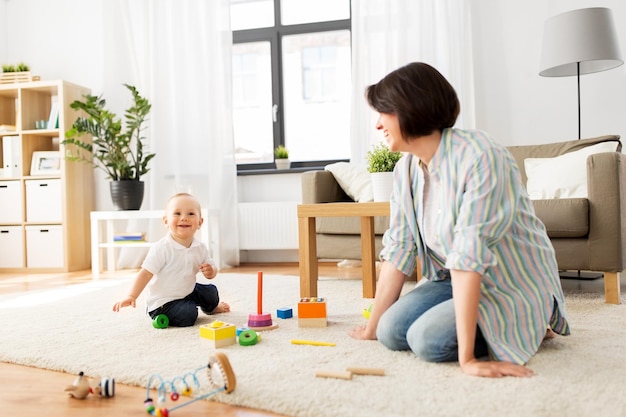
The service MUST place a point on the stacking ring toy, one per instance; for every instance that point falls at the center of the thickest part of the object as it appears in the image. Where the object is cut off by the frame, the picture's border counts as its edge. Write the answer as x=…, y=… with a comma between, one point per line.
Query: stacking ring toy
x=248, y=338
x=160, y=322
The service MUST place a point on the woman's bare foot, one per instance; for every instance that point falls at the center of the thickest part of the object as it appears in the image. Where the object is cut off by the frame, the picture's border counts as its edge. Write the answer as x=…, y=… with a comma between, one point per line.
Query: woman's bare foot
x=221, y=308
x=549, y=334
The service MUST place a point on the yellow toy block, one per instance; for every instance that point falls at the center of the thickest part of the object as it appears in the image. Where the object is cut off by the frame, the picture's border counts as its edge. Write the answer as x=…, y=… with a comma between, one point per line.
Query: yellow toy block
x=220, y=334
x=312, y=308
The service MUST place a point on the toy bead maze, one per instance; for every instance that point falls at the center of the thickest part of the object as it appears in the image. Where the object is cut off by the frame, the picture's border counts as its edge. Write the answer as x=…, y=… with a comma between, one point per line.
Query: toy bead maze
x=220, y=376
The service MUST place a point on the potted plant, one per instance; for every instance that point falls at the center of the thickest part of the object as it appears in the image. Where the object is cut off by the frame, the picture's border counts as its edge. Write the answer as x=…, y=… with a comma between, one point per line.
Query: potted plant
x=281, y=157
x=18, y=73
x=118, y=152
x=380, y=163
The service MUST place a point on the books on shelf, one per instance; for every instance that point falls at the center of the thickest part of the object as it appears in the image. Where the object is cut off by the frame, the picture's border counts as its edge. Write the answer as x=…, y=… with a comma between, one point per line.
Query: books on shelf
x=129, y=237
x=53, y=119
x=11, y=156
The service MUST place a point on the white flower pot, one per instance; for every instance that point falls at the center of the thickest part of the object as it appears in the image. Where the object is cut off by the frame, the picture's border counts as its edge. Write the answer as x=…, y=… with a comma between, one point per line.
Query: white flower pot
x=282, y=163
x=382, y=183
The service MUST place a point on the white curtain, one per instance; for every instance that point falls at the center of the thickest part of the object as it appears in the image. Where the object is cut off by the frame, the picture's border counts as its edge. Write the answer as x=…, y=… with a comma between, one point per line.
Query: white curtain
x=178, y=54
x=387, y=34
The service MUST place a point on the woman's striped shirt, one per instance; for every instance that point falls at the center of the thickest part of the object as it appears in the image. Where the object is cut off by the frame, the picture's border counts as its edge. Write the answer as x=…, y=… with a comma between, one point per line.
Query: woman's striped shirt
x=485, y=223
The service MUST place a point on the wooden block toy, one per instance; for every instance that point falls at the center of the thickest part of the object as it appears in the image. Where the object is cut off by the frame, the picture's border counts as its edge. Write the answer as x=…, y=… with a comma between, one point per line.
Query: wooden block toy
x=312, y=308
x=367, y=371
x=334, y=374
x=347, y=374
x=312, y=312
x=284, y=313
x=321, y=322
x=220, y=334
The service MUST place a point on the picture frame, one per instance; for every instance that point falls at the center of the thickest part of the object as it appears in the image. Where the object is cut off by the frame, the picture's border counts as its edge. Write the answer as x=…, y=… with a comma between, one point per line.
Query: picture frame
x=46, y=163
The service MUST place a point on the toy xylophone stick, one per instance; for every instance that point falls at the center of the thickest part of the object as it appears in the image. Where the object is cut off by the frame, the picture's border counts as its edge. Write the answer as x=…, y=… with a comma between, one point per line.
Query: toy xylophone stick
x=259, y=294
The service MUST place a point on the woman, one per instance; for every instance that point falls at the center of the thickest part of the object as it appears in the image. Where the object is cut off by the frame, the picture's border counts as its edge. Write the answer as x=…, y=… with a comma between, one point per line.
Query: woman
x=491, y=283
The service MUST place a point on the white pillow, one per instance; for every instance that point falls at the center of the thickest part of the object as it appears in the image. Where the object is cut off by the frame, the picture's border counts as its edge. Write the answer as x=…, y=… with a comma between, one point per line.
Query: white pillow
x=354, y=180
x=564, y=176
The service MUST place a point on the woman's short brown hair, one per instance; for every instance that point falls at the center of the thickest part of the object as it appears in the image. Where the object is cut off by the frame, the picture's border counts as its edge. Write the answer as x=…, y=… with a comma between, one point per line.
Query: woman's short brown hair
x=421, y=98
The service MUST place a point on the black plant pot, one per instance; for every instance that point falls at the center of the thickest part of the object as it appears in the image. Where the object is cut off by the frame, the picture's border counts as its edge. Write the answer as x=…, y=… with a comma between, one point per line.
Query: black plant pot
x=127, y=195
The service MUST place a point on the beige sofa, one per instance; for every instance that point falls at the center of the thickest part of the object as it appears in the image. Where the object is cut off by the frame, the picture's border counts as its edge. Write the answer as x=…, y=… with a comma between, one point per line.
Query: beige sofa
x=588, y=234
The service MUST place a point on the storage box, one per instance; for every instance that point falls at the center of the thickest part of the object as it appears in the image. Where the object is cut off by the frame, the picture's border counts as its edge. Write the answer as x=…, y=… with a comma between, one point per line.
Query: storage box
x=11, y=247
x=43, y=201
x=11, y=209
x=44, y=246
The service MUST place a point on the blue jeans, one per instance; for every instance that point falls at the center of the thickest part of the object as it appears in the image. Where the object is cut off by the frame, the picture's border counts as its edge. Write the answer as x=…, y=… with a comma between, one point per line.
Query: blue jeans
x=184, y=312
x=424, y=322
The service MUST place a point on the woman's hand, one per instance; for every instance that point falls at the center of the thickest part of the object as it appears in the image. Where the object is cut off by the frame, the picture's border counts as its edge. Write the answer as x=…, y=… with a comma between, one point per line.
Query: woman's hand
x=495, y=369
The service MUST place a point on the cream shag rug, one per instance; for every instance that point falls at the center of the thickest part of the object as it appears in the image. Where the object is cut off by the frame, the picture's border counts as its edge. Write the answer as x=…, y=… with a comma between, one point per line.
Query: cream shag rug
x=579, y=375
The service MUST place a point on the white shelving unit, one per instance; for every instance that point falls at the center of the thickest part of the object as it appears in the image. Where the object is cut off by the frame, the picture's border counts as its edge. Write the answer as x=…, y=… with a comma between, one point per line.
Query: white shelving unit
x=44, y=214
x=104, y=225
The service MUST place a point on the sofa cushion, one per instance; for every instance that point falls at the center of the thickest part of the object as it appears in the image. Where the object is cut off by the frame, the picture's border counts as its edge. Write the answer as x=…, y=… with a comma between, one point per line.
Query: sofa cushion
x=549, y=150
x=353, y=179
x=564, y=218
x=563, y=176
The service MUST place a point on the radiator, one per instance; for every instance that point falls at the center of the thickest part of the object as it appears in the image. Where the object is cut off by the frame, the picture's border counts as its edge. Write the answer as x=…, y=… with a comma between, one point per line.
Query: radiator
x=268, y=225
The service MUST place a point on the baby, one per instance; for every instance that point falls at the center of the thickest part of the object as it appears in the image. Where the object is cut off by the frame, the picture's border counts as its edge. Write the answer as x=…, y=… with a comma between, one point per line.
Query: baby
x=170, y=268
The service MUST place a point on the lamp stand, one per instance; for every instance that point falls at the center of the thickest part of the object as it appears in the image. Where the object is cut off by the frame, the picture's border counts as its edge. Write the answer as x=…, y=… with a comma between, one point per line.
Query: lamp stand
x=578, y=81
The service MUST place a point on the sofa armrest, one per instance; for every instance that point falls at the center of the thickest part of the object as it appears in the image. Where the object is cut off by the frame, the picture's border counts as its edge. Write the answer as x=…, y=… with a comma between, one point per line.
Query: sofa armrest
x=606, y=186
x=321, y=187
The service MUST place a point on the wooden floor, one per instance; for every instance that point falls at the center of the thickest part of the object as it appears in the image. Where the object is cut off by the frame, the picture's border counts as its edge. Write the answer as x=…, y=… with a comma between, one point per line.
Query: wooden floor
x=30, y=392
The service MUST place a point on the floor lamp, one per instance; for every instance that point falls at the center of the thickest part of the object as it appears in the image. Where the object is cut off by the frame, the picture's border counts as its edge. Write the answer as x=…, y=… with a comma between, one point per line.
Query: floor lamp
x=579, y=42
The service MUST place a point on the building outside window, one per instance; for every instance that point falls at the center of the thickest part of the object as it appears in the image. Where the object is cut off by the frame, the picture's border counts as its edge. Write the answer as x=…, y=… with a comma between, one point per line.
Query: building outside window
x=291, y=81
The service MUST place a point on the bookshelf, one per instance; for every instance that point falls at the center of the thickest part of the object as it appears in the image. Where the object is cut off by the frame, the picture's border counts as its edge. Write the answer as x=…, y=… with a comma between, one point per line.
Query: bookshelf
x=44, y=215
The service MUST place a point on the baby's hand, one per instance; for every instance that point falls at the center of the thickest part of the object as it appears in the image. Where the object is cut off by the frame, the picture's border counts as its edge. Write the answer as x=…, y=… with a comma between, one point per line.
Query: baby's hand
x=128, y=301
x=207, y=270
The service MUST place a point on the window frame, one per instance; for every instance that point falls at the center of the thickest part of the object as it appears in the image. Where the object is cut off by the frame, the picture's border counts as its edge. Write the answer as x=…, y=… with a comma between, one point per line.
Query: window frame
x=274, y=36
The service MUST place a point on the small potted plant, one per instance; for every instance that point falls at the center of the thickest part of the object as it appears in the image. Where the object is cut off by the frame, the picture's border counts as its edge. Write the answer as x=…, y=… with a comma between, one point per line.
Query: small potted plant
x=281, y=157
x=118, y=153
x=18, y=73
x=380, y=163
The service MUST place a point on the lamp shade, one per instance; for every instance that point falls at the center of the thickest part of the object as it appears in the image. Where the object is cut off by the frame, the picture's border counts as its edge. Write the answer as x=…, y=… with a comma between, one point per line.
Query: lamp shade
x=585, y=36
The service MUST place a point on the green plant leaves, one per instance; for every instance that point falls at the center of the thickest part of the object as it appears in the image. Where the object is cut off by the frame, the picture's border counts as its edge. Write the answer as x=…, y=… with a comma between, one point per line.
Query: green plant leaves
x=281, y=152
x=381, y=159
x=119, y=153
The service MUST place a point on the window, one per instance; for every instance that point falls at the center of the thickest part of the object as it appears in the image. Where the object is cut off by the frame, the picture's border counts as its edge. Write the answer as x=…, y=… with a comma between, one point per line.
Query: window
x=291, y=81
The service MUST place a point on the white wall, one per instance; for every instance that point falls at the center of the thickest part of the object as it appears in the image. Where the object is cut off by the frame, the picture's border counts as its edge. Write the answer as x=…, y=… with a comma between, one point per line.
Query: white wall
x=513, y=102
x=62, y=39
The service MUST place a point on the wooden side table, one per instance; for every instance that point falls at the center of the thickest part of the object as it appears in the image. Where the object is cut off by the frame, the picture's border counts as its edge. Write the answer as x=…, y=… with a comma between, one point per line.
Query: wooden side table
x=102, y=238
x=307, y=244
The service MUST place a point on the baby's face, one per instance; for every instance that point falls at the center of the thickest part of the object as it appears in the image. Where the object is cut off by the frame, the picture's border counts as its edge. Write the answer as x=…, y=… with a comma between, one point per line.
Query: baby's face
x=183, y=218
